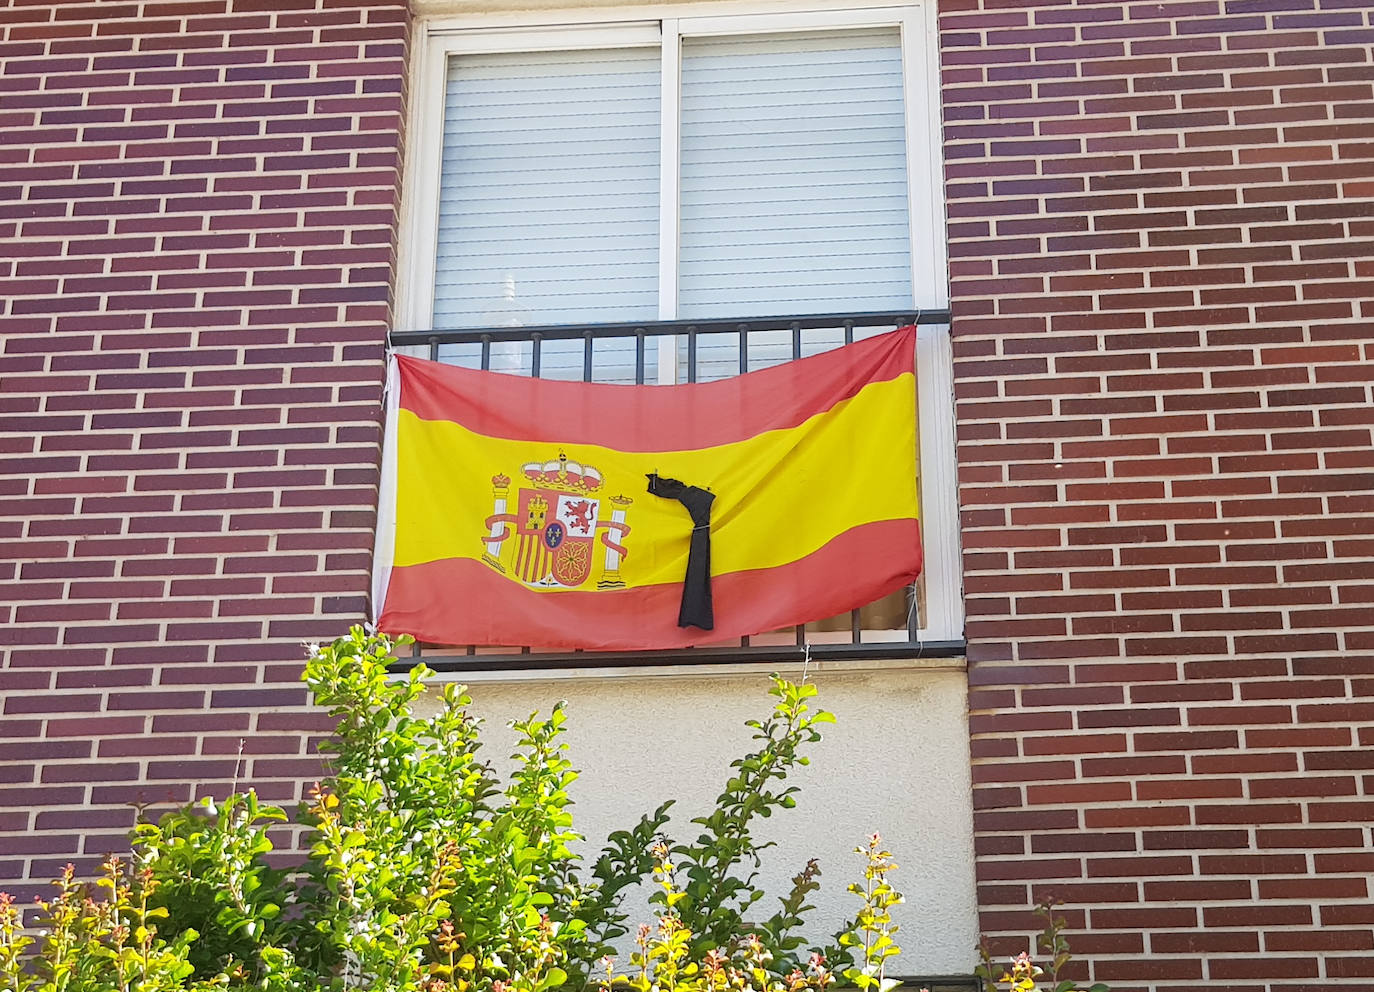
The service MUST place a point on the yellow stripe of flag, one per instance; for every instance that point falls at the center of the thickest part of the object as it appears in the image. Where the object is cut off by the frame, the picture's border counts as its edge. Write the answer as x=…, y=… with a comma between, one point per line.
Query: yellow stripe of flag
x=780, y=495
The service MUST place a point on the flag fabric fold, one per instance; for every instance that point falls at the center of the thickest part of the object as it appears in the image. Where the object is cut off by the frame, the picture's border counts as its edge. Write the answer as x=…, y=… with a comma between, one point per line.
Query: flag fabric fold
x=513, y=510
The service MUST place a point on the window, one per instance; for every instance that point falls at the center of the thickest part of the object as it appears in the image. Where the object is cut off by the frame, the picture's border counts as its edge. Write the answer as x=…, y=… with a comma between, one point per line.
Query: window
x=705, y=170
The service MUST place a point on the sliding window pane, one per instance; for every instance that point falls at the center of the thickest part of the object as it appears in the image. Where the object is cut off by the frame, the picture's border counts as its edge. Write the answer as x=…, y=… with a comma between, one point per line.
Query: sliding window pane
x=793, y=175
x=549, y=203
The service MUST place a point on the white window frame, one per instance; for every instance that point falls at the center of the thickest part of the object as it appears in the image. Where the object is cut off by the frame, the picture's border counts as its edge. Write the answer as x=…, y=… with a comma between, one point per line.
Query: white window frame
x=440, y=35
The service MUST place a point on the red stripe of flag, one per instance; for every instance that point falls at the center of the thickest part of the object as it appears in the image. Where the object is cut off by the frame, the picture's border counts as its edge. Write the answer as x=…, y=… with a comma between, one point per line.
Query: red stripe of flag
x=656, y=418
x=462, y=601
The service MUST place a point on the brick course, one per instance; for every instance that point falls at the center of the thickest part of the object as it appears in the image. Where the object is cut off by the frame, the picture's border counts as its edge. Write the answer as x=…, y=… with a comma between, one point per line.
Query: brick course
x=199, y=204
x=1160, y=232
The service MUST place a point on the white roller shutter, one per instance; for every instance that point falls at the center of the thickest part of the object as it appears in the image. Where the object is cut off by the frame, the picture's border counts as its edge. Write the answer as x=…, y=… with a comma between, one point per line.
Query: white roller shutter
x=793, y=175
x=549, y=202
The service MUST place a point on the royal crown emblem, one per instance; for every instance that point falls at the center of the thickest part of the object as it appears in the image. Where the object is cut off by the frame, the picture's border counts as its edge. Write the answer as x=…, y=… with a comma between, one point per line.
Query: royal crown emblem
x=550, y=539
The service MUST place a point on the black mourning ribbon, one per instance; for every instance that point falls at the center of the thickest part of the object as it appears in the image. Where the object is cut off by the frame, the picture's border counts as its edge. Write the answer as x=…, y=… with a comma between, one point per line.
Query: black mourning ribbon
x=696, y=608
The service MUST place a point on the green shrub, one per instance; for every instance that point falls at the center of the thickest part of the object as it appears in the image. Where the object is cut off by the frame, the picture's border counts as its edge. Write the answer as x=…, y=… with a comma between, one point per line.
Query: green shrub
x=424, y=872
x=664, y=962
x=95, y=944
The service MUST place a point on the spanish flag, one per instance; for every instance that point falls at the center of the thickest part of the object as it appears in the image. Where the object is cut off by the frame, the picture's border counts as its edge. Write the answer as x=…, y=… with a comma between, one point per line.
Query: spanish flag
x=515, y=511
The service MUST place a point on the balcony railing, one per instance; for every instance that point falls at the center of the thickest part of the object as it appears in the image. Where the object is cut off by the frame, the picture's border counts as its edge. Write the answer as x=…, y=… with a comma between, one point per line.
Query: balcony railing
x=685, y=351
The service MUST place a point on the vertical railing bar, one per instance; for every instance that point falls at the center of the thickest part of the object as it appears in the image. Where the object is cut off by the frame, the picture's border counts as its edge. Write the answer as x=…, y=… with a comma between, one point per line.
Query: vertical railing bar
x=486, y=352
x=796, y=340
x=743, y=348
x=855, y=626
x=433, y=349
x=849, y=332
x=535, y=339
x=913, y=594
x=691, y=352
x=744, y=641
x=587, y=357
x=800, y=630
x=639, y=356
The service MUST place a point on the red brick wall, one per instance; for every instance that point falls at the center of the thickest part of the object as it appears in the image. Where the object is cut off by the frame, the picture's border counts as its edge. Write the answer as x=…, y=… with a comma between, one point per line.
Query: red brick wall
x=202, y=200
x=1162, y=225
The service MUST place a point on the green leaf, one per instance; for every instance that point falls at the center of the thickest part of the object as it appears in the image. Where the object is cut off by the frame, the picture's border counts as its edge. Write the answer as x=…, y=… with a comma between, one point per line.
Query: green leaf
x=555, y=978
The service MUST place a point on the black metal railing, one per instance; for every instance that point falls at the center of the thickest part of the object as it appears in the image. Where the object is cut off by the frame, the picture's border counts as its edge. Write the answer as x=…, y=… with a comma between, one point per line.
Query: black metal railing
x=714, y=348
x=690, y=330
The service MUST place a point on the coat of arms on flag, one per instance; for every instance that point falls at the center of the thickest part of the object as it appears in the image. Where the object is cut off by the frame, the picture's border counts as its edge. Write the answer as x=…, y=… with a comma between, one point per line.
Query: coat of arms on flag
x=558, y=535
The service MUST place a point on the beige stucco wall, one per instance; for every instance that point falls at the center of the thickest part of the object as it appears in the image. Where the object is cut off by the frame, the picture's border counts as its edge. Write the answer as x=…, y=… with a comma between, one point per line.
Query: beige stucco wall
x=896, y=761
